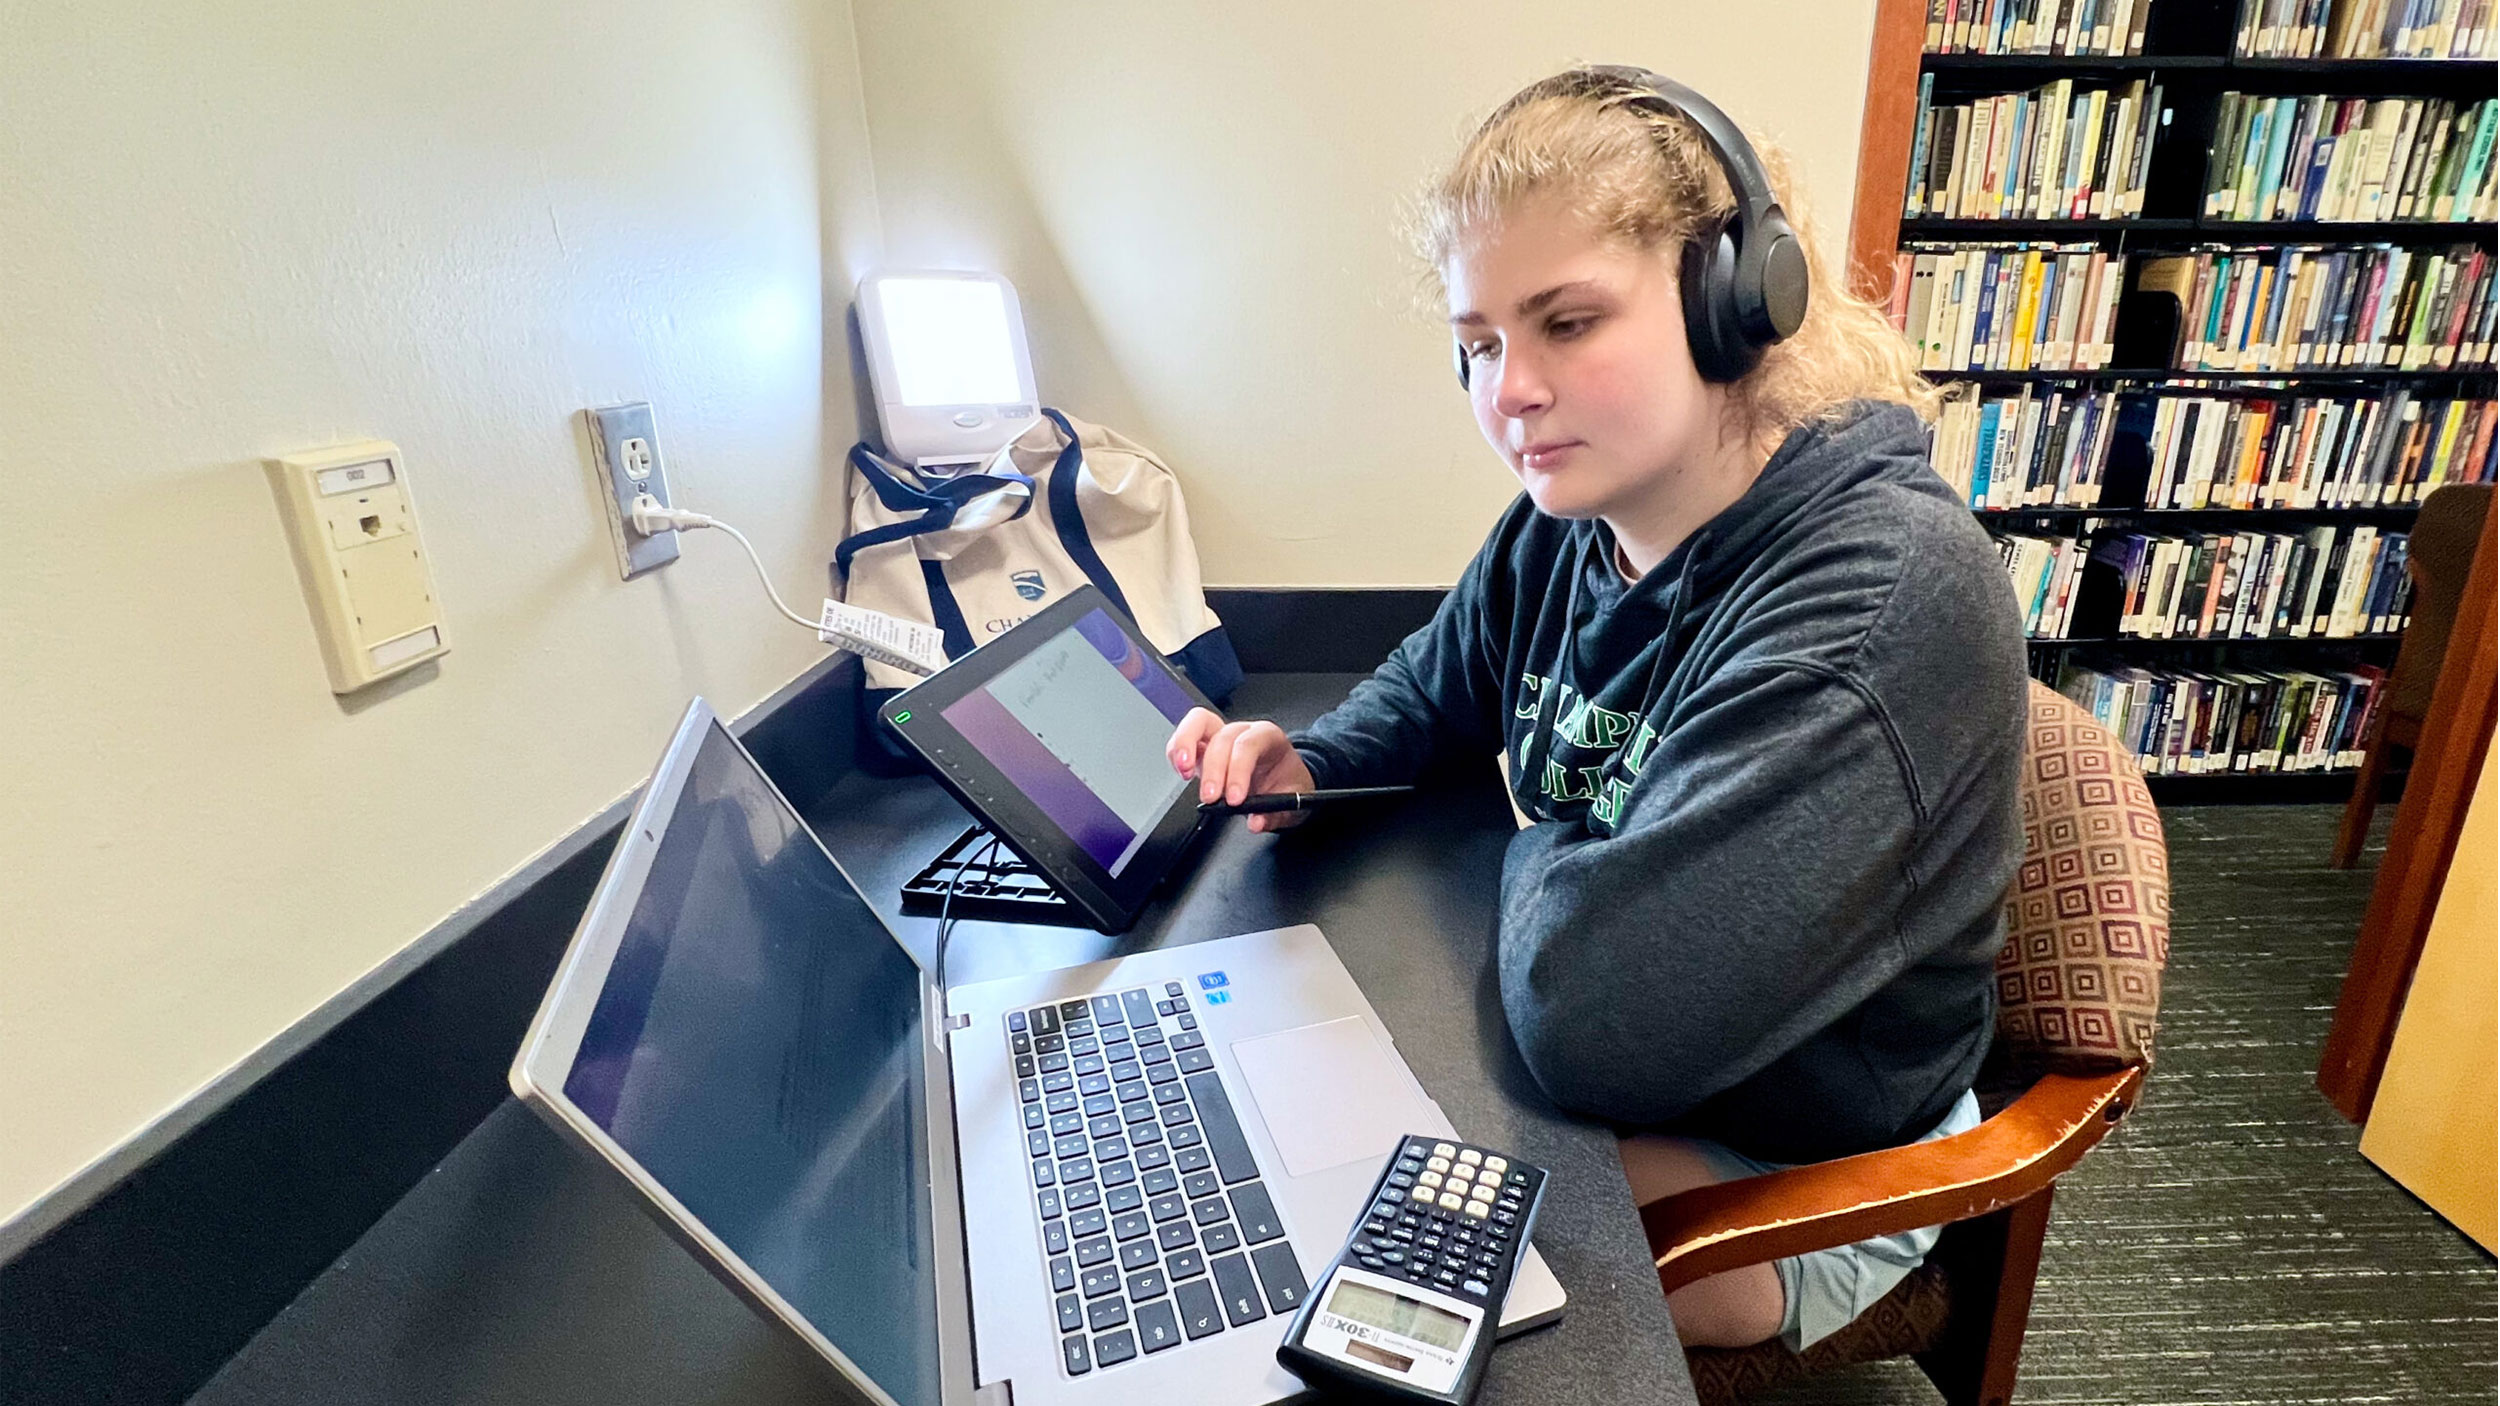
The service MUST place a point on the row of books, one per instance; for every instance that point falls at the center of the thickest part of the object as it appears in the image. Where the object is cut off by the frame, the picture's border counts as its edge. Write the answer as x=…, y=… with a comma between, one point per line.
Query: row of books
x=2056, y=154
x=2033, y=448
x=2096, y=27
x=2314, y=451
x=2364, y=29
x=2326, y=582
x=2045, y=570
x=2361, y=159
x=2189, y=723
x=2017, y=307
x=2289, y=307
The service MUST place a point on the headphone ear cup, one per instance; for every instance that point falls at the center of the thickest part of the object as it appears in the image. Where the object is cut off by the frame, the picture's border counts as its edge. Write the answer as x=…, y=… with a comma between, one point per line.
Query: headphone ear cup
x=1713, y=326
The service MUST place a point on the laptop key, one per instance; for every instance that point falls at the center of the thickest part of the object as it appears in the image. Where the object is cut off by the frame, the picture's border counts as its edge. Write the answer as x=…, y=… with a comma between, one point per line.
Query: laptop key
x=1077, y=1169
x=1092, y=1084
x=1281, y=1274
x=1024, y=1066
x=1048, y=1201
x=1107, y=1125
x=1174, y=1114
x=1232, y=1151
x=1112, y=1349
x=1185, y=1136
x=1045, y=1021
x=1098, y=1281
x=1154, y=1055
x=1033, y=1115
x=1191, y=1061
x=1256, y=1212
x=1100, y=1104
x=1238, y=1290
x=1171, y=988
x=1072, y=1352
x=1151, y=1035
x=1123, y=1198
x=1130, y=1225
x=1084, y=1047
x=1167, y=1207
x=1202, y=1184
x=1106, y=1313
x=1041, y=1171
x=1059, y=1083
x=1087, y=1064
x=1028, y=1090
x=1188, y=1040
x=1185, y=1264
x=1160, y=1182
x=1188, y=1021
x=1127, y=1069
x=1162, y=1073
x=1192, y=1159
x=1220, y=1238
x=1176, y=1235
x=1093, y=1251
x=1085, y=1223
x=1200, y=1317
x=1082, y=1195
x=1063, y=1101
x=1156, y=1327
x=1117, y=1173
x=1015, y=1020
x=1146, y=1283
x=1037, y=1143
x=1143, y=1135
x=1142, y=1111
x=1062, y=1274
x=1071, y=1313
x=1132, y=1091
x=1073, y=1145
x=1140, y=1007
x=1106, y=1009
x=1137, y=1254
x=1209, y=1211
x=1055, y=1236
x=1169, y=1093
x=1072, y=1010
x=1047, y=1045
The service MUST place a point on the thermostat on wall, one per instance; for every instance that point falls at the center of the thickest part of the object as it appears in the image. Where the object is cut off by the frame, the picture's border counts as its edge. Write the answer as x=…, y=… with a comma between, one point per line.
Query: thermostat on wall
x=364, y=569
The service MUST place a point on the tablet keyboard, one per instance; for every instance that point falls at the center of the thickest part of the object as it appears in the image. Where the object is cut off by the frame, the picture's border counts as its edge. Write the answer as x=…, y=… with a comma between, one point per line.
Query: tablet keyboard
x=1155, y=1224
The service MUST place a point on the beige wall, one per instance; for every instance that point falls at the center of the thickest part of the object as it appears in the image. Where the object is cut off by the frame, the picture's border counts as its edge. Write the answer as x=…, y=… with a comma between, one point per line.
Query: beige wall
x=230, y=231
x=1198, y=204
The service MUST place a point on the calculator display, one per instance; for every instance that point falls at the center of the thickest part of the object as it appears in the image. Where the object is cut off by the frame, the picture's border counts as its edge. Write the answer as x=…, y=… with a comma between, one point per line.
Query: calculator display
x=1396, y=1313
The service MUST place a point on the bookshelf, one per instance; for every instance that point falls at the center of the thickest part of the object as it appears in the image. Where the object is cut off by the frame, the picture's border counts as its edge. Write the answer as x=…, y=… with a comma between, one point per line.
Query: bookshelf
x=2159, y=214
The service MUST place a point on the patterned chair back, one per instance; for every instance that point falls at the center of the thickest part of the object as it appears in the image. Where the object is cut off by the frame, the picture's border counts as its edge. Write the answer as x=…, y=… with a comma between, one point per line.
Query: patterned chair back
x=2087, y=924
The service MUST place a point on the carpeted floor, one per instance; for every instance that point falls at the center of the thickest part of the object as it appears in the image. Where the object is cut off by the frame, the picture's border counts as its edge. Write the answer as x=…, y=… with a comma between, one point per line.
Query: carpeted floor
x=2228, y=1243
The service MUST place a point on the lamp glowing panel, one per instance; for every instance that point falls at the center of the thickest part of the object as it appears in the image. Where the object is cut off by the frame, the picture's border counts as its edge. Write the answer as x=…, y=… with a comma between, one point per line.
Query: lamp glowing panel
x=947, y=357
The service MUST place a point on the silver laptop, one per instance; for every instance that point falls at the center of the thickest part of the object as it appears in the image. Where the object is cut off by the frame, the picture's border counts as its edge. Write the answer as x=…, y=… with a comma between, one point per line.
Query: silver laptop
x=1106, y=1182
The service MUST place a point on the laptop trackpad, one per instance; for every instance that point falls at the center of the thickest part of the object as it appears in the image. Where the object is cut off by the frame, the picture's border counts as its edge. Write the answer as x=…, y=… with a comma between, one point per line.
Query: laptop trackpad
x=1330, y=1094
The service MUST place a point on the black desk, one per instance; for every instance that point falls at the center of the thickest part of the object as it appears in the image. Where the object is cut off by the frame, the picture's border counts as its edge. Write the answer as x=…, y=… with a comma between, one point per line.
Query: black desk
x=517, y=1273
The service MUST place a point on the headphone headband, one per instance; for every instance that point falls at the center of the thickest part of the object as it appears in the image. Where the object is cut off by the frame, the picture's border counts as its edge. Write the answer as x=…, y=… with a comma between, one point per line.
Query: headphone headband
x=1745, y=178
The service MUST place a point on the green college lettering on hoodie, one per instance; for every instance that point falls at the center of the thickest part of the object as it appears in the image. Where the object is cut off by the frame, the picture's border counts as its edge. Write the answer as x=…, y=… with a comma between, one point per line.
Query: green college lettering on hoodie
x=1772, y=787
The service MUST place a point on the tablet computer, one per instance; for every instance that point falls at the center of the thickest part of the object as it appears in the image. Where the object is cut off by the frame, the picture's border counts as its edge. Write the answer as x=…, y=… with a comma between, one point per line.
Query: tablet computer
x=1053, y=734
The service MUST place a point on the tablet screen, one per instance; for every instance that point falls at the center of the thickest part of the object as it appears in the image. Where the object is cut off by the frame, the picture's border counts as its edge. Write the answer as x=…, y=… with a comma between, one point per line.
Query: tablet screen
x=1077, y=726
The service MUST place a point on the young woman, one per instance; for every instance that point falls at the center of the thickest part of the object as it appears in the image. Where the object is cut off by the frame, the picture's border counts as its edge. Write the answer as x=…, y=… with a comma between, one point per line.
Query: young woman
x=1758, y=675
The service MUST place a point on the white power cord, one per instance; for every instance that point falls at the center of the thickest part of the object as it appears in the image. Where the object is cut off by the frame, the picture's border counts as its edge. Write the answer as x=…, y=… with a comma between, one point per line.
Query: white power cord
x=651, y=517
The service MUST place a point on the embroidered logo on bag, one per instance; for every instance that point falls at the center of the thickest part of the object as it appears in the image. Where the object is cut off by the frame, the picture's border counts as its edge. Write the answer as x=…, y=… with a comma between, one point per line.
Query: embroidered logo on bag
x=1028, y=584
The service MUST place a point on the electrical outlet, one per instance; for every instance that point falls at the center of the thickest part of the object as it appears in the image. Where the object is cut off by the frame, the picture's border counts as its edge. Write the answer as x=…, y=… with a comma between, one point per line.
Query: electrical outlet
x=625, y=447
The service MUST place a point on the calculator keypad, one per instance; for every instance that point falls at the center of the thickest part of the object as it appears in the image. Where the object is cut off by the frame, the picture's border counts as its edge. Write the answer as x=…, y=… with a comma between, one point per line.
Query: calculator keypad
x=1446, y=1217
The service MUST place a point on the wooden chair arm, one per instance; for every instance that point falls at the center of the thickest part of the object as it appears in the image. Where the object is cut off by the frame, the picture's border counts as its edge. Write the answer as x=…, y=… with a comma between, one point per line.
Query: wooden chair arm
x=1701, y=1232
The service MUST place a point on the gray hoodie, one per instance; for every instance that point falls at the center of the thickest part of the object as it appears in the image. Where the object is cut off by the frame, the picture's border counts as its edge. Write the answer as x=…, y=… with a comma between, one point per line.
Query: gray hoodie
x=1773, y=787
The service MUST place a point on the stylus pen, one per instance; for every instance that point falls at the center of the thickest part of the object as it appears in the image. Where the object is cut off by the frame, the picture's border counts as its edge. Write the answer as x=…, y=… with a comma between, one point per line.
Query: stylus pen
x=1275, y=801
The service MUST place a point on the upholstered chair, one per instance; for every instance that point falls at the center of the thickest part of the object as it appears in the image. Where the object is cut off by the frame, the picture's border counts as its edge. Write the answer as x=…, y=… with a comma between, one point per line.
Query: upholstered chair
x=2078, y=992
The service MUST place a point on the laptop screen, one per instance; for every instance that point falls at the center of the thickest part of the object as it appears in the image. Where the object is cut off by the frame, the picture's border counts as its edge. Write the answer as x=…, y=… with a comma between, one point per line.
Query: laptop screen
x=757, y=1049
x=1078, y=727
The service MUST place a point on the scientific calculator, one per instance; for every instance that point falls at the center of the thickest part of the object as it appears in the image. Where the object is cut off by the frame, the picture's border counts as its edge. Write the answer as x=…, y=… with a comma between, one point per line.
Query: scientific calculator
x=1408, y=1309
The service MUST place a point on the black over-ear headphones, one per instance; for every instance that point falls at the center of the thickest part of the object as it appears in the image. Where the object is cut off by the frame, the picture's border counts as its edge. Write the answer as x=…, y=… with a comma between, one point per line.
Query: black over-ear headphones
x=1743, y=276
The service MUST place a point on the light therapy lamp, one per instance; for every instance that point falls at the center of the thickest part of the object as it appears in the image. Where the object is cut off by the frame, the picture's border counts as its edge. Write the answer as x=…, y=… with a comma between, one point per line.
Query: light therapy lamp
x=947, y=359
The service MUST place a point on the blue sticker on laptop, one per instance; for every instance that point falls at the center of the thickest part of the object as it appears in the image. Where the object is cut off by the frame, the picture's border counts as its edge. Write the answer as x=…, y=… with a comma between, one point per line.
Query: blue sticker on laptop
x=1208, y=981
x=1217, y=998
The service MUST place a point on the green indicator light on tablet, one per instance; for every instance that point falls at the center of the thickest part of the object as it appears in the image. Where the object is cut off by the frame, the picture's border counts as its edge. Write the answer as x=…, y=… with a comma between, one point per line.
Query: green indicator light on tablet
x=903, y=717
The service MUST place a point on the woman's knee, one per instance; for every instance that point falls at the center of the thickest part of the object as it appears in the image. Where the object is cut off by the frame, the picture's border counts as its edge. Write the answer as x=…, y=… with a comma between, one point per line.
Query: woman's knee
x=1737, y=1308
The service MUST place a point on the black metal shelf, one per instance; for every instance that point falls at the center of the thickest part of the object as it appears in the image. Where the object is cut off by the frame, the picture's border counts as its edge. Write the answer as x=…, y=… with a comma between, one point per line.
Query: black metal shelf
x=2363, y=72
x=2371, y=512
x=2201, y=641
x=2252, y=788
x=1930, y=229
x=2065, y=63
x=2221, y=379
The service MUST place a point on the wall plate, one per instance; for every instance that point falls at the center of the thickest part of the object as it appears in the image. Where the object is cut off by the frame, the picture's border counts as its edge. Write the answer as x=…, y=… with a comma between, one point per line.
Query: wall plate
x=364, y=569
x=625, y=448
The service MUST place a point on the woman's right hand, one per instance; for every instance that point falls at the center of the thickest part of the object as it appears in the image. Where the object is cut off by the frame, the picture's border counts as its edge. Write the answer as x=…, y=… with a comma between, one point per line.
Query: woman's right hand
x=1235, y=761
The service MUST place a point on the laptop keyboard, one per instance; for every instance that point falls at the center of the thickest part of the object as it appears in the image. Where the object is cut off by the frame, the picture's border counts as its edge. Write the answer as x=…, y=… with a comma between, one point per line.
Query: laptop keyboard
x=1156, y=1226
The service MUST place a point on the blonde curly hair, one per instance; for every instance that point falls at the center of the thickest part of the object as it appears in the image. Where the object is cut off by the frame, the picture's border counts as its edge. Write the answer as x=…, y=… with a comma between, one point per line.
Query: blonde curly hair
x=1649, y=180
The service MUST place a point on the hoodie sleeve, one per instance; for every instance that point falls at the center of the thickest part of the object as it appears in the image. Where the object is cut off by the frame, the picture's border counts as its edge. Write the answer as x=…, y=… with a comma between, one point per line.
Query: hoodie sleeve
x=1746, y=900
x=1436, y=699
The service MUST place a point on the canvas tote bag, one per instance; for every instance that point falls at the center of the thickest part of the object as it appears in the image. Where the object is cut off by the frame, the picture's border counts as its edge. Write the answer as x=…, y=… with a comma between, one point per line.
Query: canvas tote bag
x=1066, y=503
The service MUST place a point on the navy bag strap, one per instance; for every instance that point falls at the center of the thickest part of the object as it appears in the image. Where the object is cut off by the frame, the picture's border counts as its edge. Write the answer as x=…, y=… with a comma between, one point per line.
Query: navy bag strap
x=1069, y=523
x=937, y=506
